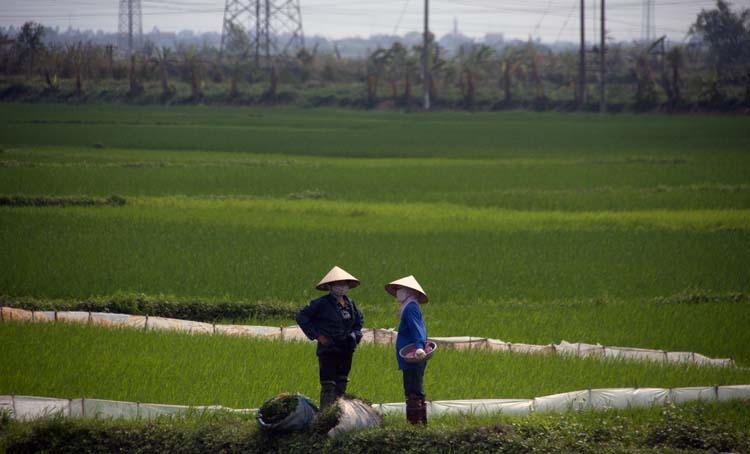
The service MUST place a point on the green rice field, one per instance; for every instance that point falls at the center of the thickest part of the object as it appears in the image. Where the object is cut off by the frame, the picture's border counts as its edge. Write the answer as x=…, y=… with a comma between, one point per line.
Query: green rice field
x=626, y=230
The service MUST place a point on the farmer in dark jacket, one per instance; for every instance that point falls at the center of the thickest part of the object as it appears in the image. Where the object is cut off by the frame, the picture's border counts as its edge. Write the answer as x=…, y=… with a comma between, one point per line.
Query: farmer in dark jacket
x=336, y=323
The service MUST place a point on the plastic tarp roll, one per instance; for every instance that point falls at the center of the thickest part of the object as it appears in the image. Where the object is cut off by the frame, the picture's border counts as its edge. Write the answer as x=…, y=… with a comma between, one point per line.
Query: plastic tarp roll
x=29, y=407
x=249, y=330
x=384, y=336
x=44, y=316
x=6, y=404
x=482, y=407
x=154, y=410
x=172, y=324
x=73, y=317
x=627, y=397
x=576, y=400
x=390, y=408
x=680, y=395
x=355, y=414
x=531, y=348
x=733, y=392
x=293, y=332
x=106, y=319
x=11, y=313
x=579, y=349
x=461, y=342
x=109, y=408
x=498, y=345
x=635, y=353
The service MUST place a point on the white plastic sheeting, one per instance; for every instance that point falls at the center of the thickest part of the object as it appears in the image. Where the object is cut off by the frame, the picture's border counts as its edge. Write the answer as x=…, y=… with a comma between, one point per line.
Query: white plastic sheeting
x=28, y=407
x=377, y=336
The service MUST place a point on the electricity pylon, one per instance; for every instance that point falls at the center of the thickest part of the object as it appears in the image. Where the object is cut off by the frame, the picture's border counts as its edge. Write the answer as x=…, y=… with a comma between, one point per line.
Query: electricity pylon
x=130, y=30
x=648, y=24
x=269, y=27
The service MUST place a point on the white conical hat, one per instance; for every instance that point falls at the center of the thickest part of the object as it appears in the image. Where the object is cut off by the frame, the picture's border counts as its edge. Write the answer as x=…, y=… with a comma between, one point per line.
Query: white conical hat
x=337, y=274
x=408, y=282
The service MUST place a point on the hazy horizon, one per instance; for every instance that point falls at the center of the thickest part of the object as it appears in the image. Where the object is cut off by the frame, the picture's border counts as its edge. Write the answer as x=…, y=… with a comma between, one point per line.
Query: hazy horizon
x=549, y=20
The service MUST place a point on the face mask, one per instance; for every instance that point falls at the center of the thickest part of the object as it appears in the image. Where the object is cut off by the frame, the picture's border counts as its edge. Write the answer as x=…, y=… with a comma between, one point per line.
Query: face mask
x=402, y=293
x=339, y=289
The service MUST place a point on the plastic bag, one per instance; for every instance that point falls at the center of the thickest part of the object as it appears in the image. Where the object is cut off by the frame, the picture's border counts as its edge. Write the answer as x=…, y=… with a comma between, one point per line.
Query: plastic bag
x=287, y=413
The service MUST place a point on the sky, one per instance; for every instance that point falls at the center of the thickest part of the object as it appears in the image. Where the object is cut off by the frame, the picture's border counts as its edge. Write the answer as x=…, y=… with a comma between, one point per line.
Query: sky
x=549, y=20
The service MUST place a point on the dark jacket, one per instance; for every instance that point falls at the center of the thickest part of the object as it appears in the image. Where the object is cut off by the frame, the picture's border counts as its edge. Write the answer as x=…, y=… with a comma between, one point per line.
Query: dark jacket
x=342, y=326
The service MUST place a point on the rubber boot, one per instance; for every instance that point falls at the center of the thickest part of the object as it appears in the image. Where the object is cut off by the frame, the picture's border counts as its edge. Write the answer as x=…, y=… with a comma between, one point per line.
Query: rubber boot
x=327, y=393
x=414, y=409
x=423, y=412
x=341, y=382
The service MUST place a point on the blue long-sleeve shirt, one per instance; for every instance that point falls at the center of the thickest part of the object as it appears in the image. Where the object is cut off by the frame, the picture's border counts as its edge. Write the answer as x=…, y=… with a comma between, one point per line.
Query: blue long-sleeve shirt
x=342, y=326
x=411, y=330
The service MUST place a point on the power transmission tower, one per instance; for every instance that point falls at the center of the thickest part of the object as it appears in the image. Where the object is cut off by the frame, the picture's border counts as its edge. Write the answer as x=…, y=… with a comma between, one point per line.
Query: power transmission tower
x=130, y=30
x=272, y=27
x=648, y=24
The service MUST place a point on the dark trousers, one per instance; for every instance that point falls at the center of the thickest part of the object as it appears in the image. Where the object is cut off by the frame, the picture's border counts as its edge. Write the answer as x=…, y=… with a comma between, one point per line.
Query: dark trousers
x=416, y=409
x=414, y=380
x=334, y=375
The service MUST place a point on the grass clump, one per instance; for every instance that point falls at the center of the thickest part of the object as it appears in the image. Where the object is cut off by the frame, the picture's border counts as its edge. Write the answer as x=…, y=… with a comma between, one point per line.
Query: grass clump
x=49, y=201
x=277, y=408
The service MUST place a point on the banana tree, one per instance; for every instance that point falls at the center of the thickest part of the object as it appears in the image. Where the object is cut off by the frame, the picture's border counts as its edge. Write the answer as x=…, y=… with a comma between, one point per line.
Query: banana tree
x=163, y=60
x=192, y=69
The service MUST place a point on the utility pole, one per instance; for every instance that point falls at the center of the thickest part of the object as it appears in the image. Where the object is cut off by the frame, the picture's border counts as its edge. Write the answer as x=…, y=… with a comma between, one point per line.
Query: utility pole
x=582, y=62
x=426, y=55
x=602, y=67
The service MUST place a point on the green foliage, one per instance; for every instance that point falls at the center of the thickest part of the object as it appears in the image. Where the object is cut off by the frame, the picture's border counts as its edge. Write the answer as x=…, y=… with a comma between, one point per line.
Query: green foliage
x=202, y=310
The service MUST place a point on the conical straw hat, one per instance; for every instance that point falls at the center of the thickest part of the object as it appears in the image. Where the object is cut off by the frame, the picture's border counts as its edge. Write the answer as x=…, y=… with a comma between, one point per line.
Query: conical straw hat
x=337, y=274
x=408, y=282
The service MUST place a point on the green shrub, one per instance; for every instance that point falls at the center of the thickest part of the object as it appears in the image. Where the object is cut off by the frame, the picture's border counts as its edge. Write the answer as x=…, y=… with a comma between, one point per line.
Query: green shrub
x=161, y=306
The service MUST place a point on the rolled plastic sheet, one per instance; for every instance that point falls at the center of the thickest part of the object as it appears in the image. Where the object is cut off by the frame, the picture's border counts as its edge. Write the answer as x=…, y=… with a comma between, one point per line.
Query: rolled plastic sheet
x=498, y=345
x=100, y=408
x=31, y=407
x=461, y=342
x=73, y=317
x=572, y=401
x=173, y=324
x=579, y=349
x=28, y=407
x=604, y=398
x=706, y=393
x=635, y=353
x=13, y=314
x=531, y=348
x=44, y=316
x=106, y=319
x=732, y=392
x=270, y=332
x=514, y=407
x=293, y=332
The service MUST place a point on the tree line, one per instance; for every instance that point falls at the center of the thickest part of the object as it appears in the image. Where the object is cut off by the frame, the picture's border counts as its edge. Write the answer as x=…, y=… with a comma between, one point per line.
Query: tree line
x=710, y=71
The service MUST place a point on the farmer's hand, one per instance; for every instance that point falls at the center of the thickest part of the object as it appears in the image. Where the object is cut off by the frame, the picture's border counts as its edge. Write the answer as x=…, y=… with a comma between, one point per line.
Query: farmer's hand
x=419, y=353
x=323, y=339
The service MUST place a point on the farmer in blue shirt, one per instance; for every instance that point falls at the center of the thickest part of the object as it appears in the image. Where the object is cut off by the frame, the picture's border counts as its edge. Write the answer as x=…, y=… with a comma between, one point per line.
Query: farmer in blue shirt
x=411, y=330
x=336, y=323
